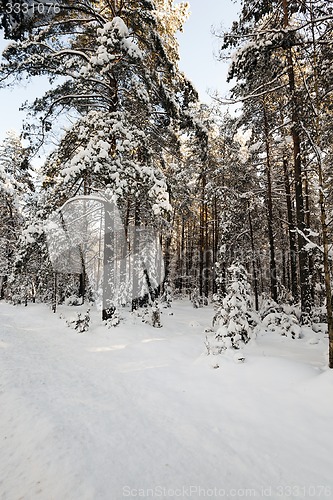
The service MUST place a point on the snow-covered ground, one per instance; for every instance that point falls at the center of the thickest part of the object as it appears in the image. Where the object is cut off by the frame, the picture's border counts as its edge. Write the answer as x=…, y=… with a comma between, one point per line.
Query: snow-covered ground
x=138, y=412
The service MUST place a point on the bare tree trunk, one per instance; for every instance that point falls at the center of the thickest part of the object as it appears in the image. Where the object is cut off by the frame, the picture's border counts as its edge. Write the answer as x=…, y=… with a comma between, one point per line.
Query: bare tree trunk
x=254, y=264
x=181, y=260
x=323, y=217
x=308, y=225
x=273, y=273
x=136, y=260
x=215, y=241
x=327, y=270
x=295, y=132
x=3, y=281
x=108, y=265
x=284, y=271
x=167, y=259
x=207, y=255
x=202, y=235
x=55, y=291
x=291, y=232
x=124, y=270
x=82, y=285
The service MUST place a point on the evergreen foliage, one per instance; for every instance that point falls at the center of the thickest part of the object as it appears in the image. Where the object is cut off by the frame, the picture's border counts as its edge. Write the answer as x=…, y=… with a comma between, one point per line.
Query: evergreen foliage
x=234, y=319
x=253, y=188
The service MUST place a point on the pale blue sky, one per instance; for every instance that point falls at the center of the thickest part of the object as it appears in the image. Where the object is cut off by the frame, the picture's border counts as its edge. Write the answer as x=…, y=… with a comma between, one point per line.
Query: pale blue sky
x=197, y=46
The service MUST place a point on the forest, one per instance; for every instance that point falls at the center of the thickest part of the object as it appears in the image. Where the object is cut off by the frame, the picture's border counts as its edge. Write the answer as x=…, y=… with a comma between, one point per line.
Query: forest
x=164, y=196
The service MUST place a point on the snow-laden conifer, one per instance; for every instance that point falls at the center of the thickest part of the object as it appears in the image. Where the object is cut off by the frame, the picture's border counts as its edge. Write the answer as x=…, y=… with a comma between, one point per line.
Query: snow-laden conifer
x=235, y=318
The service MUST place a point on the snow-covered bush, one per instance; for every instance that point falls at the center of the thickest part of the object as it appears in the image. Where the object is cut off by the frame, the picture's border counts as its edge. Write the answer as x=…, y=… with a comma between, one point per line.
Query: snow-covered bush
x=113, y=320
x=150, y=314
x=235, y=318
x=280, y=319
x=73, y=300
x=319, y=315
x=156, y=316
x=81, y=324
x=198, y=300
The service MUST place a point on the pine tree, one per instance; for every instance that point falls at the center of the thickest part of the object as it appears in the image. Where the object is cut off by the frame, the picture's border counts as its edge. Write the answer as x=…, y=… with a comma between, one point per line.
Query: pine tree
x=282, y=57
x=129, y=99
x=235, y=318
x=267, y=38
x=15, y=186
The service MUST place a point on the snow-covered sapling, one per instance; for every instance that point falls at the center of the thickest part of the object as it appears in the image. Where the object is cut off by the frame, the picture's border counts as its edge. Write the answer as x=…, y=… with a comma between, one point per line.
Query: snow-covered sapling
x=150, y=314
x=198, y=300
x=166, y=298
x=114, y=320
x=80, y=324
x=156, y=316
x=235, y=317
x=276, y=319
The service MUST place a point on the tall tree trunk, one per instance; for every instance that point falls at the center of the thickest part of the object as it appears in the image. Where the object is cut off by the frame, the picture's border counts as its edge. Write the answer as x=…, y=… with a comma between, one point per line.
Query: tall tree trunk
x=202, y=235
x=273, y=273
x=291, y=232
x=254, y=264
x=55, y=292
x=215, y=237
x=109, y=308
x=189, y=260
x=182, y=253
x=308, y=225
x=136, y=260
x=82, y=284
x=327, y=270
x=83, y=277
x=295, y=133
x=124, y=268
x=323, y=216
x=3, y=282
x=207, y=253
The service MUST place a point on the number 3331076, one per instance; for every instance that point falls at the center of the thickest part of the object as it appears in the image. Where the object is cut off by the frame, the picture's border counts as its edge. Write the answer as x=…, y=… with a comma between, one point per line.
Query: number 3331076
x=32, y=8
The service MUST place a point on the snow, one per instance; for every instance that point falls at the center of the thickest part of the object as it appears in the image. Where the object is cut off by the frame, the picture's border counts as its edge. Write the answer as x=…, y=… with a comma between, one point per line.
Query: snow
x=134, y=411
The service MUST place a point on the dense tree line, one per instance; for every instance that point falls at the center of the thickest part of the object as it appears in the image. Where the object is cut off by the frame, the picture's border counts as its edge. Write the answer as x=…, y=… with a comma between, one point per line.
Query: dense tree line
x=251, y=187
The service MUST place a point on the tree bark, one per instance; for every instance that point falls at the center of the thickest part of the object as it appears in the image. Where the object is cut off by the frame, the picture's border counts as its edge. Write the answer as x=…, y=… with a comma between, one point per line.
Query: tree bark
x=308, y=225
x=202, y=235
x=292, y=233
x=215, y=237
x=295, y=133
x=55, y=291
x=323, y=216
x=254, y=266
x=136, y=260
x=273, y=273
x=108, y=265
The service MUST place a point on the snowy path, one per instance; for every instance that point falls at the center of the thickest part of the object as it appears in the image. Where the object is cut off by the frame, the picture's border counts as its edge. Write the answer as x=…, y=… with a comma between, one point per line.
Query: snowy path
x=104, y=414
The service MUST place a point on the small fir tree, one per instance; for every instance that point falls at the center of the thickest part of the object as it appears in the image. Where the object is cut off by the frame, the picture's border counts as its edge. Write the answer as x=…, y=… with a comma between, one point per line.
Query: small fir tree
x=235, y=317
